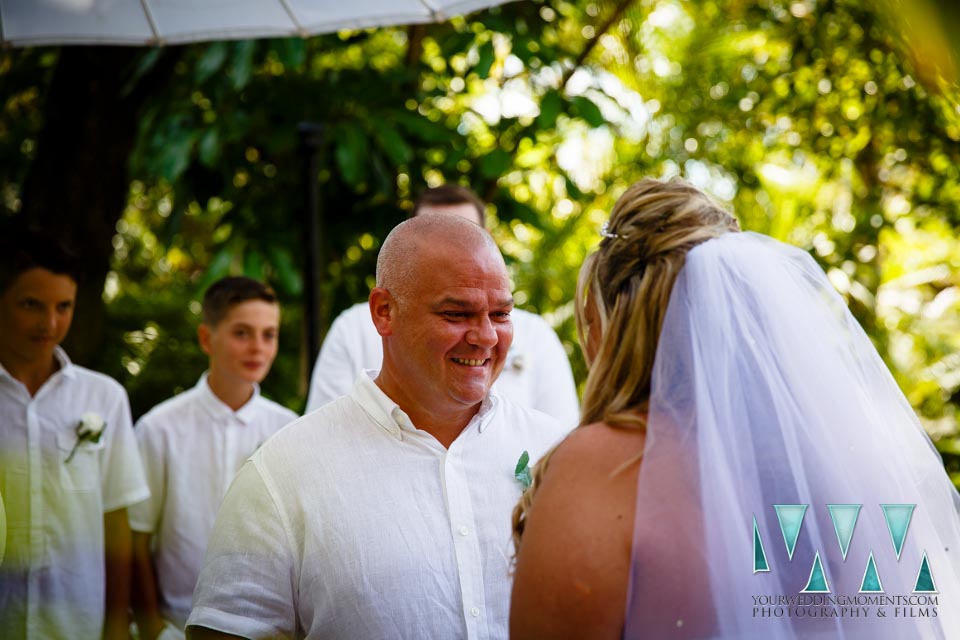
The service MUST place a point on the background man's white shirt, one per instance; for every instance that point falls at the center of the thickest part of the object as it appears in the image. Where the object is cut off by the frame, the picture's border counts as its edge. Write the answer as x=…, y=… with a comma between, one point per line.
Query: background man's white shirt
x=52, y=581
x=536, y=375
x=192, y=446
x=352, y=523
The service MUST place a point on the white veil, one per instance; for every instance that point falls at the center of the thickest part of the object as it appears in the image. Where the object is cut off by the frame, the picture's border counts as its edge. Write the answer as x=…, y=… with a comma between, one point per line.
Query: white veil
x=767, y=392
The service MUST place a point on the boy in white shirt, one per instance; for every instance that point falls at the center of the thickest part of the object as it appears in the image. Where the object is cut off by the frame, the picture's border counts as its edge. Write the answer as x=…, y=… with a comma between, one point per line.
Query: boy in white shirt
x=194, y=443
x=69, y=465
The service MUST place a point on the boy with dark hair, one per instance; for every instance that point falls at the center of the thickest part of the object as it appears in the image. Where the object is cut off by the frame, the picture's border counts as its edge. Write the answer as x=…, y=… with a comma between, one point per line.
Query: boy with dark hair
x=69, y=459
x=194, y=443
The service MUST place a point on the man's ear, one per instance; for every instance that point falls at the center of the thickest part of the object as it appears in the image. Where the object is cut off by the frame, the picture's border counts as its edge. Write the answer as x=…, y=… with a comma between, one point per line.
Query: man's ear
x=203, y=337
x=383, y=310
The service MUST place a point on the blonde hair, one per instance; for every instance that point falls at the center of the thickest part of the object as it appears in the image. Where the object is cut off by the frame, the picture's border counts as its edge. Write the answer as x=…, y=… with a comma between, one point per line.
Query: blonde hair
x=628, y=281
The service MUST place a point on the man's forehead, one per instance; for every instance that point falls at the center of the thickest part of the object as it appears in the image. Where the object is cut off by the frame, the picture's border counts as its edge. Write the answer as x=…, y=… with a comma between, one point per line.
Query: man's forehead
x=471, y=297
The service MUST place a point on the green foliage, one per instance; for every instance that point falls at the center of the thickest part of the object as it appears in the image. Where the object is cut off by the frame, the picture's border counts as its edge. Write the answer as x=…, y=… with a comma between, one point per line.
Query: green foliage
x=809, y=118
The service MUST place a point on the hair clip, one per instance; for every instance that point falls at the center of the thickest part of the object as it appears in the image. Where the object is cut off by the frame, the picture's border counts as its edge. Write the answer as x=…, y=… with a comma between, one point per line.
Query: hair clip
x=606, y=233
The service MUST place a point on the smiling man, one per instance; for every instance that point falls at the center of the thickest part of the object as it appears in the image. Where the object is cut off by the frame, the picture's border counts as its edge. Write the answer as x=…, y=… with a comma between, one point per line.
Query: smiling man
x=386, y=513
x=537, y=372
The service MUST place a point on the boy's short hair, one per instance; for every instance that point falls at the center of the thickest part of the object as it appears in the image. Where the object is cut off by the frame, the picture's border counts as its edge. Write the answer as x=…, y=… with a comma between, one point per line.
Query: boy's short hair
x=226, y=293
x=22, y=250
x=447, y=195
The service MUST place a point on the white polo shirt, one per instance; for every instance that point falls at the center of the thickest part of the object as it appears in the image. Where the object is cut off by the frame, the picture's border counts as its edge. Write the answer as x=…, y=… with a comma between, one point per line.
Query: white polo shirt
x=536, y=375
x=192, y=446
x=52, y=579
x=351, y=523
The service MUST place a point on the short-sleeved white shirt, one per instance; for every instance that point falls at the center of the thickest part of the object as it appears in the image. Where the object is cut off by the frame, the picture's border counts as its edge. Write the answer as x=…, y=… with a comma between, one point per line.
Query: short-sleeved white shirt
x=192, y=446
x=52, y=580
x=351, y=523
x=536, y=375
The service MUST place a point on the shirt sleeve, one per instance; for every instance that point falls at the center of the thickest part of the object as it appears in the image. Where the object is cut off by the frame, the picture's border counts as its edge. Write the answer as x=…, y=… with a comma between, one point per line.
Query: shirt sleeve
x=247, y=583
x=337, y=365
x=555, y=391
x=145, y=515
x=121, y=475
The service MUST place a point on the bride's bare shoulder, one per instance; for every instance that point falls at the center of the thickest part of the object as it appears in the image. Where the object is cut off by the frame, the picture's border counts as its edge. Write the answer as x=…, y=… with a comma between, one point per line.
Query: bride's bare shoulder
x=598, y=447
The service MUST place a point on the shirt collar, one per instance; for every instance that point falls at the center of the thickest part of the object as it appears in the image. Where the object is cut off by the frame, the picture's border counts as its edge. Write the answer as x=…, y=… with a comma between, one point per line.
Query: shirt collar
x=67, y=368
x=392, y=419
x=218, y=409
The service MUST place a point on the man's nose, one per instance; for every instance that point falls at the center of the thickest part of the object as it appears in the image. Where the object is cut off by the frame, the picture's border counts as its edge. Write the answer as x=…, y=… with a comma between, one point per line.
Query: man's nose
x=483, y=334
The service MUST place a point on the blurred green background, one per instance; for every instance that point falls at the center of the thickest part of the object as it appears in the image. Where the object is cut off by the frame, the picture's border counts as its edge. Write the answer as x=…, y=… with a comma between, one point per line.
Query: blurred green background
x=831, y=124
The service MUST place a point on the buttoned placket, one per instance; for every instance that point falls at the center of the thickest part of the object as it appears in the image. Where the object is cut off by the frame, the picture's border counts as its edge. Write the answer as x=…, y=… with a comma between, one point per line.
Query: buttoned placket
x=231, y=433
x=38, y=560
x=466, y=545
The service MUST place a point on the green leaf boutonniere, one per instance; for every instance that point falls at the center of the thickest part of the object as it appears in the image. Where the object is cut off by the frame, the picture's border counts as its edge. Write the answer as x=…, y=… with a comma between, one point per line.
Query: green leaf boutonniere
x=89, y=429
x=522, y=472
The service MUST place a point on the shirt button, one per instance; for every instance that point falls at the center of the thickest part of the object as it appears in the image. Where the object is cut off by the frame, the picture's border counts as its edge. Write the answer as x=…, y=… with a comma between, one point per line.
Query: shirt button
x=464, y=530
x=475, y=612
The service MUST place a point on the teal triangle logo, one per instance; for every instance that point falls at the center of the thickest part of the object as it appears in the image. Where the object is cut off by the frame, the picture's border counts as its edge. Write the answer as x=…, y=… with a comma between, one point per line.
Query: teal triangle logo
x=791, y=519
x=817, y=582
x=898, y=521
x=925, y=582
x=759, y=556
x=871, y=579
x=844, y=518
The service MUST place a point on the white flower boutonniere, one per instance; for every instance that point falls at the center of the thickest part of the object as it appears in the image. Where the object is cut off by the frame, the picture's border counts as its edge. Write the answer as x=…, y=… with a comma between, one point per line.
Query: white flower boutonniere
x=89, y=429
x=522, y=472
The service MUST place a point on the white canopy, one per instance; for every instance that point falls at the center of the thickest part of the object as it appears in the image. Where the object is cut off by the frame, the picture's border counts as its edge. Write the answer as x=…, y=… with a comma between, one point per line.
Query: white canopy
x=153, y=22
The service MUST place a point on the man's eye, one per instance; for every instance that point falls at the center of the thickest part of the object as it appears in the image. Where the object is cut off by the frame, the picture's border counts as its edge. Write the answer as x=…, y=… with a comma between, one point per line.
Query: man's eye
x=455, y=315
x=502, y=315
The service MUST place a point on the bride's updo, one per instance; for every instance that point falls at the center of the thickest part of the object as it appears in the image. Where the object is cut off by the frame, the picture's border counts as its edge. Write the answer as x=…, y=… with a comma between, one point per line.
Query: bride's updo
x=625, y=286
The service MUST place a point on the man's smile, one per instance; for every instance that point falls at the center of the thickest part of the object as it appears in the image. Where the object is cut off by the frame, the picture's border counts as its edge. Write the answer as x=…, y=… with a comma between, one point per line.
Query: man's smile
x=470, y=362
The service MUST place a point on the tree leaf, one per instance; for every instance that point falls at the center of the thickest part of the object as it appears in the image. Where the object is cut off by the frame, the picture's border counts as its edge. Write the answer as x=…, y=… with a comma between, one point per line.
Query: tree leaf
x=495, y=163
x=550, y=106
x=390, y=140
x=292, y=52
x=241, y=67
x=253, y=264
x=424, y=128
x=351, y=152
x=218, y=268
x=210, y=62
x=487, y=57
x=209, y=147
x=174, y=155
x=589, y=111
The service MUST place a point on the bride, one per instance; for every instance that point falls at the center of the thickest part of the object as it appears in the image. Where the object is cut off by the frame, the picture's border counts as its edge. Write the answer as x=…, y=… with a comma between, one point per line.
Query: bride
x=745, y=467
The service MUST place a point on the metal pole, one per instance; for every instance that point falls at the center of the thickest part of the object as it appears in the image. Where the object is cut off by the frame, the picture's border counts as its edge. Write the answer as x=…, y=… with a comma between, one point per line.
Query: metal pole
x=311, y=139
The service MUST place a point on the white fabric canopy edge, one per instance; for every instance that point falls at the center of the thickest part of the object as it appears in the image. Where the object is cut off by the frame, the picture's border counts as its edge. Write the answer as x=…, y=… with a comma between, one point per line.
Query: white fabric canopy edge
x=297, y=27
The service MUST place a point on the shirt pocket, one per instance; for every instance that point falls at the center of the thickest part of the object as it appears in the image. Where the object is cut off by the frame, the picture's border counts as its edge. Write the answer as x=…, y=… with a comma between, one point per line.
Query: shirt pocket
x=82, y=473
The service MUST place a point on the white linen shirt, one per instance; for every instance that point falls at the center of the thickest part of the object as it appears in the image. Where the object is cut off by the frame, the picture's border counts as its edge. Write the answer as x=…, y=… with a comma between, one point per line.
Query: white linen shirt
x=192, y=446
x=351, y=523
x=52, y=580
x=536, y=375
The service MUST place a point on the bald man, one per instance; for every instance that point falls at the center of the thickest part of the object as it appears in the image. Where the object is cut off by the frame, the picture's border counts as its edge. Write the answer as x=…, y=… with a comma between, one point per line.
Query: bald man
x=386, y=513
x=537, y=373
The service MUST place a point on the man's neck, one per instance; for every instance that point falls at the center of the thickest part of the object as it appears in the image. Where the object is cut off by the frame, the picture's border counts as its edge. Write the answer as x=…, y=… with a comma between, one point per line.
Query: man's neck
x=444, y=427
x=232, y=395
x=32, y=373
